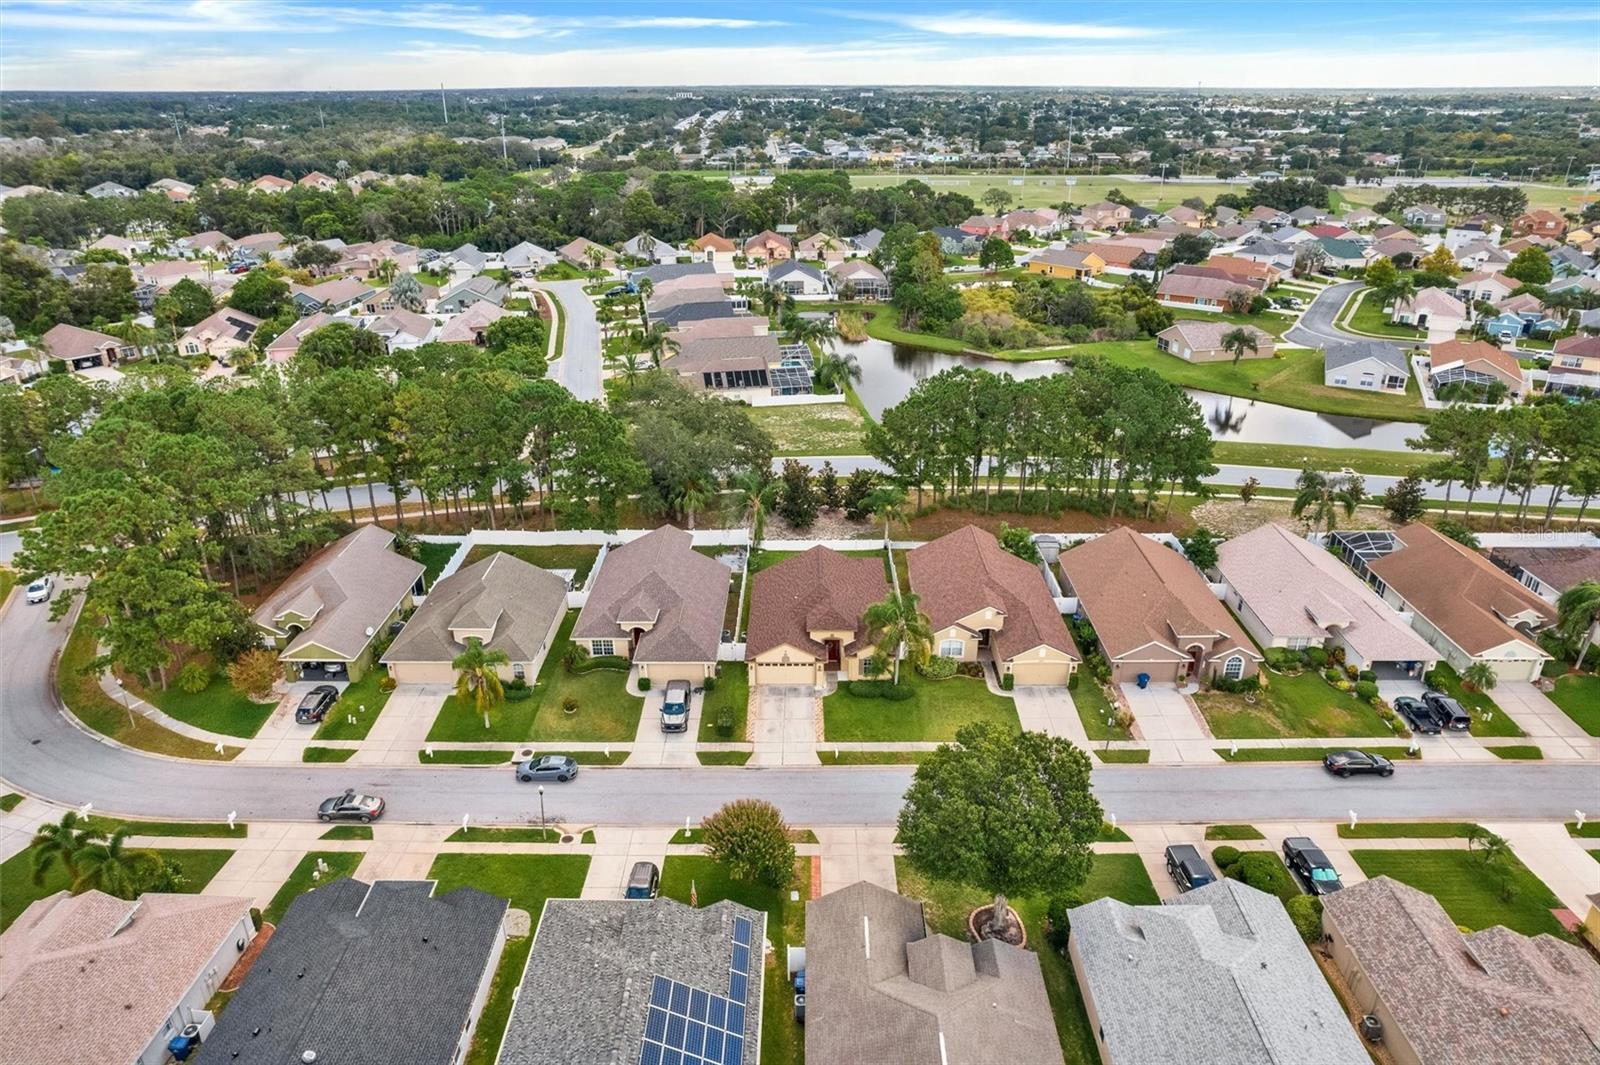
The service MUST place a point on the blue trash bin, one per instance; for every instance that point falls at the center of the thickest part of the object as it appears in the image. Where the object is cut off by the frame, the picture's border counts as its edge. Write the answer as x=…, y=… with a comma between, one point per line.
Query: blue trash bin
x=1144, y=680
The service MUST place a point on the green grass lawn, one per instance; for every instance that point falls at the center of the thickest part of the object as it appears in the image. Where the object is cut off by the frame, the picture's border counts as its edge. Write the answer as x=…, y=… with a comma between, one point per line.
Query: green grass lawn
x=576, y=557
x=872, y=757
x=191, y=829
x=348, y=832
x=1487, y=717
x=1094, y=709
x=1407, y=830
x=813, y=429
x=527, y=880
x=303, y=879
x=1297, y=457
x=89, y=703
x=1364, y=314
x=1468, y=891
x=1578, y=694
x=434, y=556
x=1123, y=757
x=1305, y=754
x=1304, y=705
x=327, y=754
x=723, y=757
x=18, y=890
x=782, y=1040
x=8, y=581
x=1233, y=832
x=216, y=708
x=504, y=835
x=1118, y=876
x=934, y=712
x=10, y=801
x=1523, y=752
x=364, y=700
x=733, y=693
x=465, y=757
x=1590, y=830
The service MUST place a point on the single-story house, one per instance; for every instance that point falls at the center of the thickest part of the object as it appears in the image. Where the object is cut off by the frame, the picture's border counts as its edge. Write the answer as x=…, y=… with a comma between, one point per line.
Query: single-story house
x=210, y=242
x=507, y=604
x=954, y=241
x=318, y=180
x=470, y=256
x=860, y=279
x=84, y=349
x=714, y=248
x=768, y=246
x=823, y=246
x=347, y=948
x=1076, y=263
x=692, y=300
x=401, y=328
x=1510, y=326
x=983, y=602
x=1198, y=291
x=1539, y=223
x=1187, y=217
x=324, y=618
x=1549, y=571
x=1433, y=309
x=1259, y=276
x=1037, y=221
x=985, y=226
x=748, y=325
x=1105, y=215
x=527, y=256
x=1216, y=974
x=1475, y=362
x=1153, y=612
x=805, y=618
x=1465, y=606
x=880, y=987
x=660, y=604
x=1197, y=341
x=640, y=980
x=744, y=363
x=474, y=290
x=94, y=978
x=583, y=253
x=329, y=296
x=663, y=275
x=1575, y=365
x=1485, y=286
x=1267, y=252
x=259, y=245
x=1267, y=216
x=1369, y=364
x=1308, y=215
x=109, y=190
x=1403, y=251
x=471, y=326
x=283, y=346
x=1425, y=215
x=644, y=246
x=271, y=183
x=1491, y=997
x=866, y=243
x=795, y=278
x=1340, y=254
x=1289, y=593
x=220, y=334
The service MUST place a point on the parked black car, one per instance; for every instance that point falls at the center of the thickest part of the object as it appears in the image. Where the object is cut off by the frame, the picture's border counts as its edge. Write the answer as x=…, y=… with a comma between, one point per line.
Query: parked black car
x=1351, y=763
x=1417, y=715
x=1310, y=866
x=1449, y=713
x=351, y=806
x=1188, y=868
x=316, y=704
x=548, y=767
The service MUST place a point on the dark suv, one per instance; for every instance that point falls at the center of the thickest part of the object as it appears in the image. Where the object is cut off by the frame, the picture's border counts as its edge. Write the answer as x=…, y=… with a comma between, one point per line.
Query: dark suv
x=1187, y=868
x=316, y=704
x=1447, y=712
x=1310, y=866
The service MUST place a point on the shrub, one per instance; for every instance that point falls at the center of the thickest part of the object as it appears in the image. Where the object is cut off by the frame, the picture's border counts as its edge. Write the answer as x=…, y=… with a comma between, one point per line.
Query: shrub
x=1283, y=659
x=1351, y=671
x=644, y=684
x=1317, y=656
x=751, y=837
x=1235, y=687
x=710, y=684
x=725, y=722
x=1342, y=684
x=1264, y=872
x=1367, y=674
x=574, y=656
x=254, y=673
x=1072, y=682
x=516, y=684
x=970, y=669
x=1332, y=675
x=938, y=668
x=1008, y=682
x=1225, y=857
x=1059, y=915
x=518, y=695
x=1337, y=654
x=194, y=677
x=1306, y=913
x=255, y=917
x=1366, y=689
x=388, y=684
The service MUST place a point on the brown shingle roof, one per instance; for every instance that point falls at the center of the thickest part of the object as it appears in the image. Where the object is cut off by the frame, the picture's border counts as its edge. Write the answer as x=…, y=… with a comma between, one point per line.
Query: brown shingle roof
x=1559, y=567
x=1214, y=288
x=1460, y=592
x=1468, y=352
x=662, y=580
x=816, y=590
x=966, y=571
x=349, y=589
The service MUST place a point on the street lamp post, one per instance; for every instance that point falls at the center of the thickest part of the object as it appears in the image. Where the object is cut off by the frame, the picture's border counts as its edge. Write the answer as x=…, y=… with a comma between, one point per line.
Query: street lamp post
x=543, y=827
x=122, y=695
x=1568, y=175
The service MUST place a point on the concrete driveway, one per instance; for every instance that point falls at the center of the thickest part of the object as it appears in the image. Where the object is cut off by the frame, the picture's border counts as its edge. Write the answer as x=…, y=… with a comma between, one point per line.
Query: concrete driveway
x=651, y=746
x=785, y=728
x=1169, y=723
x=1546, y=724
x=1049, y=709
x=282, y=738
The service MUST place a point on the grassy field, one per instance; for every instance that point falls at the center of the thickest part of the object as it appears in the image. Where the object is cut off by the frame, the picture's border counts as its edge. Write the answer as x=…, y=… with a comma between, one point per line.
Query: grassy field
x=813, y=429
x=934, y=712
x=527, y=880
x=577, y=557
x=1305, y=705
x=1297, y=457
x=1468, y=891
x=1579, y=696
x=947, y=904
x=303, y=879
x=733, y=692
x=216, y=708
x=364, y=700
x=18, y=890
x=1487, y=717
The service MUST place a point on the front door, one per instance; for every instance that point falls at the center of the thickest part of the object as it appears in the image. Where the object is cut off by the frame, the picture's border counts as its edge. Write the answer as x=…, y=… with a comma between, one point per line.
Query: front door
x=1193, y=669
x=633, y=642
x=983, y=637
x=832, y=654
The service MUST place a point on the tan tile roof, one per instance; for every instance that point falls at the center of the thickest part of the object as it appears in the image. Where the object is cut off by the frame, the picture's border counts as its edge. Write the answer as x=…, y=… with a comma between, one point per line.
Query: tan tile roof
x=1460, y=592
x=63, y=341
x=1215, y=288
x=92, y=978
x=351, y=586
x=816, y=590
x=460, y=329
x=966, y=571
x=661, y=579
x=1471, y=351
x=1137, y=592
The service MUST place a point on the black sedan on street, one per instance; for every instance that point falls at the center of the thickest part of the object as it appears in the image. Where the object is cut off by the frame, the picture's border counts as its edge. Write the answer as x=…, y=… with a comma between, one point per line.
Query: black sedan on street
x=351, y=806
x=1351, y=763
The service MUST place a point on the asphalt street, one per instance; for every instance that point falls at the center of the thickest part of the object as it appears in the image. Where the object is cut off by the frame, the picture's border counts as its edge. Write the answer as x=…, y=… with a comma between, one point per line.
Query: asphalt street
x=1315, y=328
x=578, y=369
x=43, y=752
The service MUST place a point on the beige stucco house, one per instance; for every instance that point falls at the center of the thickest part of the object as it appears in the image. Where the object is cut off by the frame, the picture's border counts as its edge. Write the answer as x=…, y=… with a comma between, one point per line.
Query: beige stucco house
x=805, y=617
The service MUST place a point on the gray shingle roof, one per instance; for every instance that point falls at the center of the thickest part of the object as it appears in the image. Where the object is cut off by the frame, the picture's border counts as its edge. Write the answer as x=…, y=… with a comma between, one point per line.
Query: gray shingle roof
x=589, y=976
x=517, y=600
x=1336, y=356
x=661, y=579
x=363, y=976
x=1215, y=974
x=670, y=271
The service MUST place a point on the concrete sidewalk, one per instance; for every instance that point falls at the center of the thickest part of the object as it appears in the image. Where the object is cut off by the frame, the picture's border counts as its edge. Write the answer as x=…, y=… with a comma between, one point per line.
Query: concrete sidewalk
x=1553, y=856
x=1546, y=724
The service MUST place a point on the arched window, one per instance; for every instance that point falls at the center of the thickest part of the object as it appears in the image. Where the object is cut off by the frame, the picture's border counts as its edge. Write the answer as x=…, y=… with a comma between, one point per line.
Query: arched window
x=1233, y=668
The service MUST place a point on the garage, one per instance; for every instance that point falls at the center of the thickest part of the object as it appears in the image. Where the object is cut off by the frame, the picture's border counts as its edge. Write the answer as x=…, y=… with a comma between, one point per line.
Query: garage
x=1514, y=668
x=1041, y=672
x=662, y=672
x=781, y=673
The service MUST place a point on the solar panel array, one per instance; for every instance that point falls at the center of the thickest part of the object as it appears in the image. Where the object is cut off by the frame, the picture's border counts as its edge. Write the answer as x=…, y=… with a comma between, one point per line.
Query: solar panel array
x=689, y=1026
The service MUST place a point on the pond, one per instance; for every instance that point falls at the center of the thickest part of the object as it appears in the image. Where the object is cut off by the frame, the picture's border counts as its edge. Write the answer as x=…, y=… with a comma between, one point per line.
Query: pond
x=890, y=371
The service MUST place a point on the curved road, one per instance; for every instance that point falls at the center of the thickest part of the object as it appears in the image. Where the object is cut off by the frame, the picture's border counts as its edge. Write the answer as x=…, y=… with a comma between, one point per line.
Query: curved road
x=42, y=752
x=1315, y=328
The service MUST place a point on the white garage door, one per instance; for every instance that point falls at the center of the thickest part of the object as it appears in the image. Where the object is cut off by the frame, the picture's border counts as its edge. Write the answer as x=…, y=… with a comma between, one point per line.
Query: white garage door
x=784, y=674
x=1514, y=668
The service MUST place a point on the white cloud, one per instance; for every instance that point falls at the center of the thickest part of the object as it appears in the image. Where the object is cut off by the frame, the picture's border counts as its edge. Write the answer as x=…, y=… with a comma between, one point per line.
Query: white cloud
x=977, y=25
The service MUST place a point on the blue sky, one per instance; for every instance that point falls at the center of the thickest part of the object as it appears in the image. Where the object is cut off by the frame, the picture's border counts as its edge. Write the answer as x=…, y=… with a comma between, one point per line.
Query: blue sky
x=380, y=44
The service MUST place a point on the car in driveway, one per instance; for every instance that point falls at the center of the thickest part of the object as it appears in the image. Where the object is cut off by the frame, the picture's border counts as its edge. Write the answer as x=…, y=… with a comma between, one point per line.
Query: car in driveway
x=316, y=703
x=1417, y=715
x=1356, y=763
x=675, y=707
x=644, y=881
x=1450, y=714
x=559, y=767
x=39, y=591
x=351, y=806
x=1188, y=868
x=1310, y=866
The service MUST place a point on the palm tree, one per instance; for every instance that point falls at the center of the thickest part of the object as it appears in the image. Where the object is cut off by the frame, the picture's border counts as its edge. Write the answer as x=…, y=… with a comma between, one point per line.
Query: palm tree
x=836, y=372
x=1479, y=676
x=386, y=269
x=1398, y=292
x=691, y=497
x=1237, y=342
x=1578, y=611
x=131, y=332
x=753, y=495
x=64, y=843
x=889, y=503
x=1325, y=494
x=477, y=679
x=407, y=292
x=630, y=367
x=655, y=341
x=819, y=331
x=111, y=866
x=898, y=622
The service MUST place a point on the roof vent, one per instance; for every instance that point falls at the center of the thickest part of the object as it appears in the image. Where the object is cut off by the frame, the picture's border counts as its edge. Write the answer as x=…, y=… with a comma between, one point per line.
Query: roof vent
x=308, y=1056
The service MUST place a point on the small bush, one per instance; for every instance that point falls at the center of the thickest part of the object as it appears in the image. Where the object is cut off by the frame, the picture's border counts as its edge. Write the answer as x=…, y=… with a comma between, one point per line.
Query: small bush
x=387, y=684
x=969, y=669
x=1060, y=919
x=1008, y=682
x=710, y=684
x=518, y=695
x=1367, y=674
x=644, y=684
x=1283, y=659
x=1264, y=872
x=255, y=917
x=1317, y=656
x=1235, y=687
x=725, y=722
x=1332, y=675
x=1366, y=689
x=1072, y=682
x=937, y=668
x=1306, y=913
x=1226, y=856
x=193, y=678
x=1351, y=672
x=516, y=684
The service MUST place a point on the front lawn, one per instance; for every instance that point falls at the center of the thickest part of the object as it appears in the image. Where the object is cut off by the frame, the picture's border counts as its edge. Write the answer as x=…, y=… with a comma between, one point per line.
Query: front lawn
x=813, y=429
x=215, y=708
x=732, y=693
x=527, y=880
x=1407, y=830
x=1487, y=717
x=304, y=879
x=1304, y=705
x=471, y=756
x=1522, y=752
x=1306, y=754
x=190, y=829
x=1367, y=316
x=1095, y=709
x=504, y=835
x=327, y=754
x=606, y=711
x=18, y=890
x=1124, y=757
x=1233, y=832
x=1118, y=876
x=782, y=1040
x=364, y=700
x=1469, y=891
x=723, y=757
x=1578, y=695
x=576, y=557
x=935, y=711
